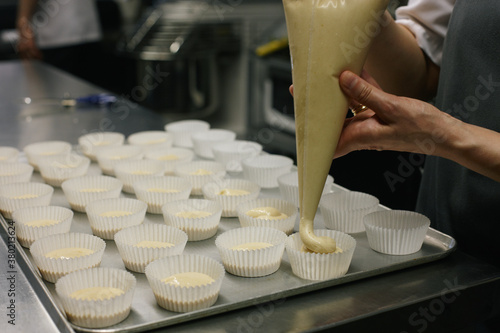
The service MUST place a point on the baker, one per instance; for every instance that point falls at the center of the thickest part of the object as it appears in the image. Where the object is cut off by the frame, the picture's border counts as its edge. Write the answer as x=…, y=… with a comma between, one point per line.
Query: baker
x=432, y=50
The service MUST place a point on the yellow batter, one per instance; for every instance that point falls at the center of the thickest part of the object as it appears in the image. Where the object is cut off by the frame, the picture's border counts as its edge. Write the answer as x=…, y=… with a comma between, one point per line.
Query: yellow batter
x=188, y=279
x=41, y=223
x=162, y=190
x=25, y=196
x=193, y=214
x=96, y=293
x=266, y=213
x=141, y=173
x=115, y=213
x=251, y=246
x=169, y=158
x=69, y=252
x=93, y=190
x=228, y=191
x=320, y=33
x=154, y=244
x=201, y=172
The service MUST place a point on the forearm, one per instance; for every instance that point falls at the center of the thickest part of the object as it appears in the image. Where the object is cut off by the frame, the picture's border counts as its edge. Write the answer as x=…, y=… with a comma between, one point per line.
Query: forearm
x=399, y=65
x=474, y=147
x=25, y=11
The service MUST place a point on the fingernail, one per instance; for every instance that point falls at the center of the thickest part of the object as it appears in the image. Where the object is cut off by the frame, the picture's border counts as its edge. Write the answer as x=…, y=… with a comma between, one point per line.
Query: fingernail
x=348, y=80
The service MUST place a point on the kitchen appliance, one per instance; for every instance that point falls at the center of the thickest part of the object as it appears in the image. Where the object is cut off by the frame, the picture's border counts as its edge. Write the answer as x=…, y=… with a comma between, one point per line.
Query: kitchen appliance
x=201, y=50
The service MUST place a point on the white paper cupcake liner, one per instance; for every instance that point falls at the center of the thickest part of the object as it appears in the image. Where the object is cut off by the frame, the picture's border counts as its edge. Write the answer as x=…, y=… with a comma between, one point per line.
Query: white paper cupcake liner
x=344, y=211
x=183, y=129
x=97, y=313
x=108, y=157
x=130, y=172
x=185, y=299
x=171, y=157
x=289, y=186
x=55, y=170
x=54, y=268
x=320, y=266
x=396, y=232
x=218, y=171
x=9, y=154
x=196, y=228
x=83, y=190
x=137, y=258
x=151, y=140
x=203, y=142
x=265, y=170
x=26, y=234
x=15, y=172
x=149, y=191
x=252, y=263
x=232, y=153
x=18, y=195
x=229, y=203
x=285, y=225
x=35, y=151
x=105, y=226
x=92, y=142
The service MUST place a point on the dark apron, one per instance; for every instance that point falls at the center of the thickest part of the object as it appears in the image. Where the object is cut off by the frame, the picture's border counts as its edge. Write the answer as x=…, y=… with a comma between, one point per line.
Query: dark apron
x=458, y=201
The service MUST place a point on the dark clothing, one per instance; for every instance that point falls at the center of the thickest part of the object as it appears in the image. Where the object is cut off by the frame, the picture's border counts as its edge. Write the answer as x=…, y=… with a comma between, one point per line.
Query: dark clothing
x=460, y=202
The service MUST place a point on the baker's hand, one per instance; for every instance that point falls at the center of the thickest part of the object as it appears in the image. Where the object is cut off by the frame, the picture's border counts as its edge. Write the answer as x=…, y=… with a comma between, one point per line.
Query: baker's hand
x=390, y=123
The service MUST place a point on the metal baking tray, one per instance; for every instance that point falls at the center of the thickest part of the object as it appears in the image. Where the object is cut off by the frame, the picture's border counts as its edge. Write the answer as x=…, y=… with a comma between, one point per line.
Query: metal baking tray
x=236, y=292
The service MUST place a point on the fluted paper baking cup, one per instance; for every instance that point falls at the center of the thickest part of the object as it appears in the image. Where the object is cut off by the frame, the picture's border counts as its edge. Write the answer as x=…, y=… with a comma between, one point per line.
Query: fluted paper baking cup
x=35, y=151
x=15, y=172
x=320, y=266
x=344, y=210
x=199, y=173
x=83, y=190
x=33, y=223
x=91, y=143
x=9, y=154
x=183, y=129
x=130, y=172
x=396, y=232
x=55, y=170
x=284, y=224
x=54, y=268
x=171, y=157
x=265, y=169
x=197, y=228
x=94, y=313
x=185, y=299
x=136, y=258
x=157, y=191
x=18, y=195
x=108, y=157
x=214, y=191
x=232, y=153
x=289, y=186
x=151, y=140
x=203, y=142
x=251, y=263
x=109, y=216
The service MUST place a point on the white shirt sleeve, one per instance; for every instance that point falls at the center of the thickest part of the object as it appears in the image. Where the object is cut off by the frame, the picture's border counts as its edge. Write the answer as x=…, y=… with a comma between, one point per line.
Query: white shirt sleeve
x=428, y=20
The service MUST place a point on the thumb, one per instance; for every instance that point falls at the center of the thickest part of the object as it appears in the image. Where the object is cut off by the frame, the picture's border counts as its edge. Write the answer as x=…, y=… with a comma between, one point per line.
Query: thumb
x=361, y=91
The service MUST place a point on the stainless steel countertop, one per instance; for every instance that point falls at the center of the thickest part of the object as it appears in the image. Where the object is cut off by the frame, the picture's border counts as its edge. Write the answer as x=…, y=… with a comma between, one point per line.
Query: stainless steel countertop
x=432, y=297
